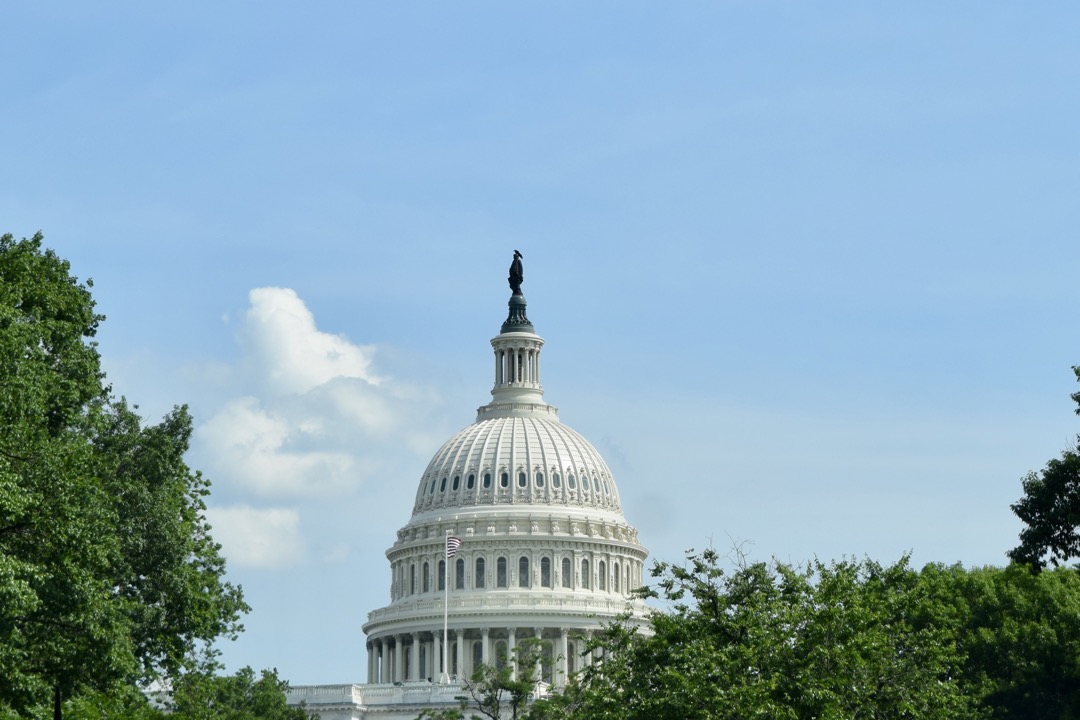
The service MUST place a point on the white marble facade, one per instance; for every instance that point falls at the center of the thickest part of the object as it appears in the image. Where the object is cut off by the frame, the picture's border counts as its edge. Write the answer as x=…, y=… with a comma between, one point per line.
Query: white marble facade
x=545, y=552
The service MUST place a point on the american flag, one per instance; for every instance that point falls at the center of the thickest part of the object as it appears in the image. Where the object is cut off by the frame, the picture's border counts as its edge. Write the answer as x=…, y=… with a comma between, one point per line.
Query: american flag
x=452, y=545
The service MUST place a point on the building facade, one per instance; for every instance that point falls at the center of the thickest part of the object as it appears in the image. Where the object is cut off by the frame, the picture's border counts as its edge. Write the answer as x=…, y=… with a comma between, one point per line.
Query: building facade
x=545, y=551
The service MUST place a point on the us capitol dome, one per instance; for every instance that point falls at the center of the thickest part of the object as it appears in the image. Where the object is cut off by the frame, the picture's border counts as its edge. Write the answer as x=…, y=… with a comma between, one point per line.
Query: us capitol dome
x=541, y=549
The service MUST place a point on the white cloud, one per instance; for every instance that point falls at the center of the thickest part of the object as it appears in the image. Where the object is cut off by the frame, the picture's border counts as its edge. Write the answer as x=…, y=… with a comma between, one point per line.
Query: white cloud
x=265, y=451
x=258, y=537
x=295, y=356
x=306, y=421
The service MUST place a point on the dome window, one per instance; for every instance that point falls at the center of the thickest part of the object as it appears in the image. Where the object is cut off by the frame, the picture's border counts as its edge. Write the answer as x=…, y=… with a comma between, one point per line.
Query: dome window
x=523, y=479
x=504, y=480
x=442, y=575
x=523, y=571
x=457, y=482
x=478, y=573
x=586, y=576
x=585, y=483
x=539, y=479
x=459, y=574
x=570, y=482
x=601, y=571
x=556, y=482
x=470, y=482
x=432, y=490
x=567, y=573
x=500, y=572
x=442, y=485
x=545, y=572
x=427, y=578
x=487, y=480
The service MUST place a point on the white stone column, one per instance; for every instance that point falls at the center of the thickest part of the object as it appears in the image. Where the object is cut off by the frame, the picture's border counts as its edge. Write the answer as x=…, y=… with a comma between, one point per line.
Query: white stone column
x=414, y=658
x=436, y=655
x=511, y=643
x=459, y=638
x=385, y=676
x=587, y=658
x=538, y=666
x=485, y=646
x=562, y=661
x=399, y=658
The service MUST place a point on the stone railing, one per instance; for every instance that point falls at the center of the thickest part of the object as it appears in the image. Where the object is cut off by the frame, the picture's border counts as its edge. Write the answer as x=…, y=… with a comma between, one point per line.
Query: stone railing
x=488, y=602
x=408, y=693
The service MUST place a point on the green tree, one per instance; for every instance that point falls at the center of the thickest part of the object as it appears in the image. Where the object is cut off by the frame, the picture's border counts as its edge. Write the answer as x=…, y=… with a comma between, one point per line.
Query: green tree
x=1019, y=634
x=1050, y=509
x=243, y=696
x=773, y=641
x=108, y=576
x=497, y=692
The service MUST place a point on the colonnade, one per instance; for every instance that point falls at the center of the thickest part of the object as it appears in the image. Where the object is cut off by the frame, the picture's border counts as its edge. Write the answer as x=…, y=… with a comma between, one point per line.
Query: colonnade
x=517, y=365
x=401, y=657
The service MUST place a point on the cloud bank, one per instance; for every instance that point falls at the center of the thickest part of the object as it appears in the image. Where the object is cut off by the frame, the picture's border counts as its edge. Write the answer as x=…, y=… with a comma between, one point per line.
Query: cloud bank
x=308, y=421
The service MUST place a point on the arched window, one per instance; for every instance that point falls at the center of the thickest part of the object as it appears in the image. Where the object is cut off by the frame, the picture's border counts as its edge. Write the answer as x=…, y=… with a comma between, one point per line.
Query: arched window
x=442, y=575
x=504, y=481
x=412, y=579
x=556, y=481
x=586, y=576
x=500, y=573
x=584, y=482
x=523, y=479
x=523, y=572
x=566, y=573
x=457, y=482
x=459, y=574
x=615, y=574
x=601, y=575
x=570, y=482
x=539, y=479
x=427, y=578
x=545, y=572
x=442, y=485
x=470, y=483
x=478, y=573
x=547, y=662
x=432, y=489
x=487, y=480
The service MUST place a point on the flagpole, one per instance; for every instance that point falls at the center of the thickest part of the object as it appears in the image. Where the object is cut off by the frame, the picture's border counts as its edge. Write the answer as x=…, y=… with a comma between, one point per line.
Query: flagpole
x=444, y=678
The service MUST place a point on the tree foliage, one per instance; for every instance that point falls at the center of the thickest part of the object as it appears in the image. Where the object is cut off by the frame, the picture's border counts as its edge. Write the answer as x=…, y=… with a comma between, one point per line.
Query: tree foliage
x=243, y=696
x=108, y=575
x=1050, y=509
x=499, y=693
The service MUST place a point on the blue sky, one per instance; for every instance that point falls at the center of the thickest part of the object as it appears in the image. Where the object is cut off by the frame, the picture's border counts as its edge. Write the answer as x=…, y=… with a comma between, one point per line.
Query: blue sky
x=806, y=271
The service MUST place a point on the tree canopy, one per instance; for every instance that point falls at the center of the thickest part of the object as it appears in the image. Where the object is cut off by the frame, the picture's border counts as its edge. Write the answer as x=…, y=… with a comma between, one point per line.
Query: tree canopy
x=108, y=574
x=1050, y=509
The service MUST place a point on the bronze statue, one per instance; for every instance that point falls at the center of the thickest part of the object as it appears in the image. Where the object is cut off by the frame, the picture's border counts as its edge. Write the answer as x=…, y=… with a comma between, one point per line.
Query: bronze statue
x=517, y=274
